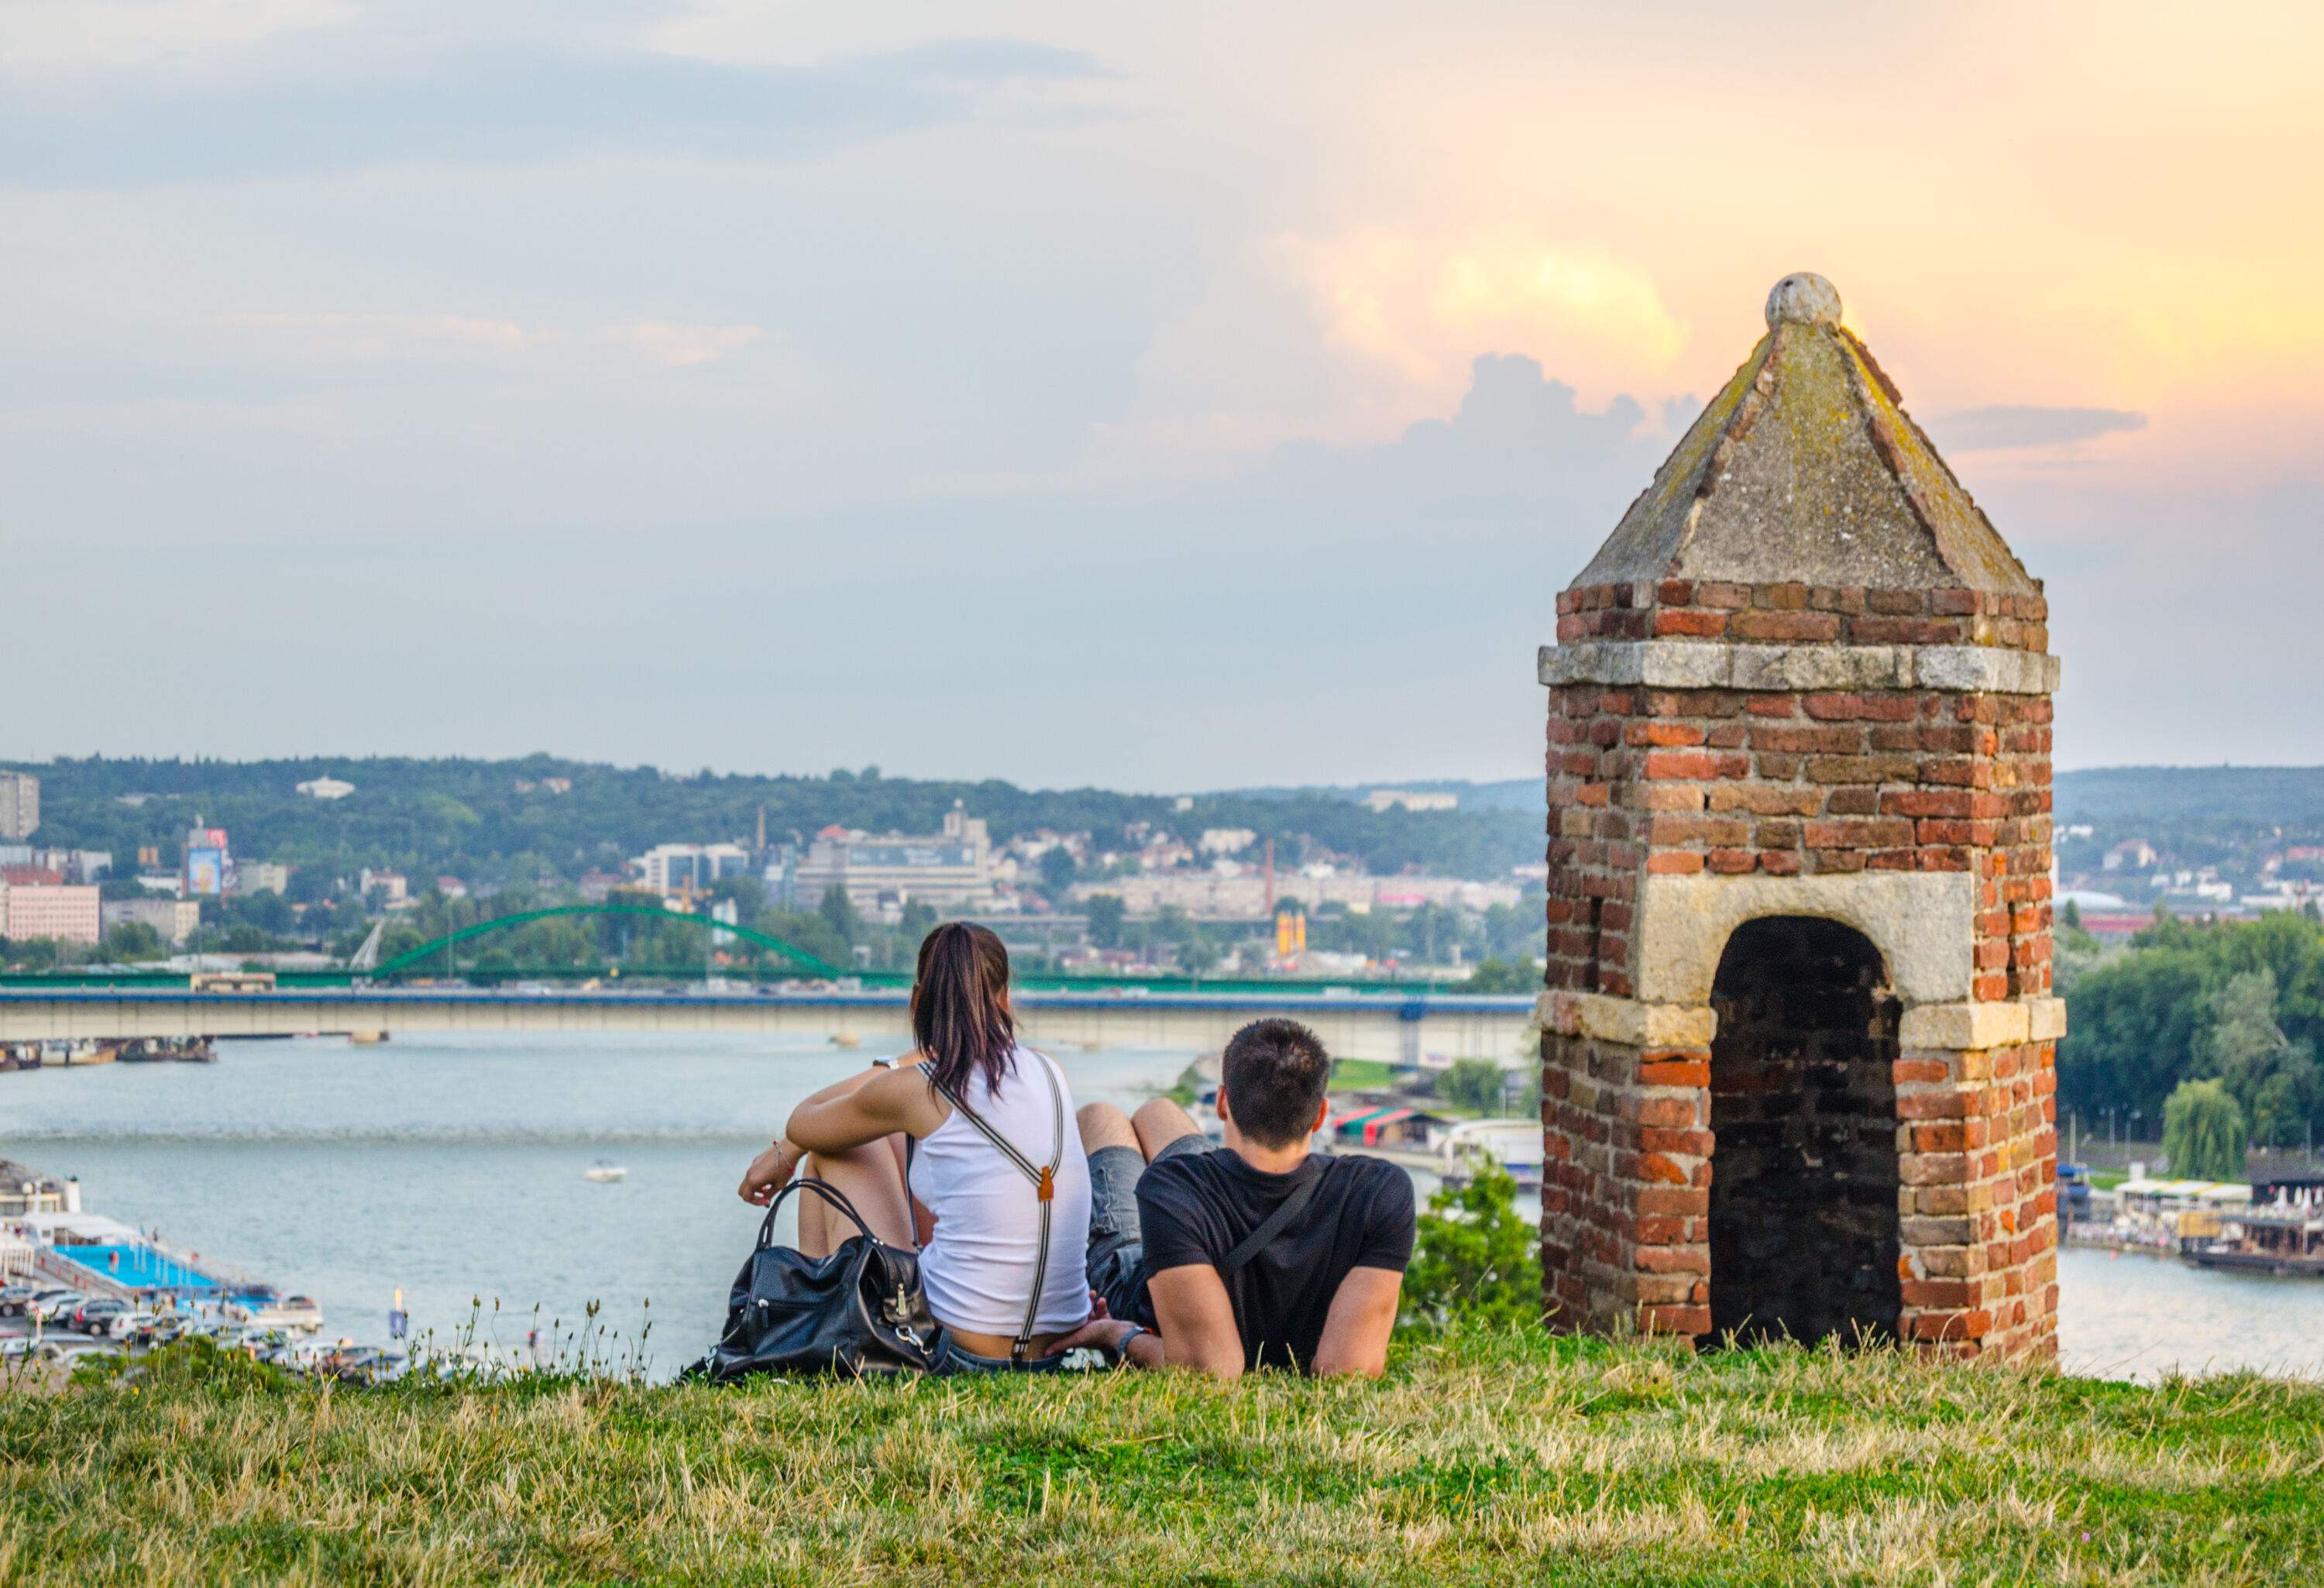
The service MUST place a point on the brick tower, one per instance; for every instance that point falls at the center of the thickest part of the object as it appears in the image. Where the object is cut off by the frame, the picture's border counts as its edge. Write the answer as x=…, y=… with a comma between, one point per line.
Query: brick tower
x=1798, y=1031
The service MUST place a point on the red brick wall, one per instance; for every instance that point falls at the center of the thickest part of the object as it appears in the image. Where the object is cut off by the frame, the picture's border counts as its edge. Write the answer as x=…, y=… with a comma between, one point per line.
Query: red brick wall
x=1794, y=614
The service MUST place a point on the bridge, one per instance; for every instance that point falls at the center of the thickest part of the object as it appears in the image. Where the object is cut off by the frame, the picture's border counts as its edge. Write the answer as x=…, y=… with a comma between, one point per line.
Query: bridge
x=1395, y=1025
x=426, y=988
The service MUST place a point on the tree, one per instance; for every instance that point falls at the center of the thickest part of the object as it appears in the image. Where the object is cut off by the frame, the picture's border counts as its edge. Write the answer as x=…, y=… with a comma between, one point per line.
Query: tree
x=2070, y=917
x=2272, y=1080
x=1058, y=869
x=131, y=940
x=1472, y=1084
x=1106, y=912
x=839, y=913
x=2203, y=1133
x=1475, y=1259
x=918, y=920
x=1500, y=976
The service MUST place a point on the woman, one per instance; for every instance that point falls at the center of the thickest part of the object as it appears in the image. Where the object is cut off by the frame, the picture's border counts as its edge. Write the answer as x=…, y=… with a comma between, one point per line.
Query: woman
x=973, y=1214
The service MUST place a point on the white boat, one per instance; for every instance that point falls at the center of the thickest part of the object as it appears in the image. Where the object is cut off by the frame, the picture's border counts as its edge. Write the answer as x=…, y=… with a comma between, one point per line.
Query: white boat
x=604, y=1172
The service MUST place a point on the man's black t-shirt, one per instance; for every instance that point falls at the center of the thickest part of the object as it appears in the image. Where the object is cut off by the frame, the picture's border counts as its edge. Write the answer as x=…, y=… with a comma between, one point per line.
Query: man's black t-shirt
x=1197, y=1207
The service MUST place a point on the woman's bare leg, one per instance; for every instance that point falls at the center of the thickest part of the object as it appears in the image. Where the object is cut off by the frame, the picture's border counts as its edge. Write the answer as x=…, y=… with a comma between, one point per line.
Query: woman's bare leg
x=871, y=1176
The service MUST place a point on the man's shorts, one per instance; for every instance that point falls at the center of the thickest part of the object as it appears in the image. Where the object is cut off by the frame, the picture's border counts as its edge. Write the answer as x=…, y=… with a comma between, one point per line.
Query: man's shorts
x=1117, y=1245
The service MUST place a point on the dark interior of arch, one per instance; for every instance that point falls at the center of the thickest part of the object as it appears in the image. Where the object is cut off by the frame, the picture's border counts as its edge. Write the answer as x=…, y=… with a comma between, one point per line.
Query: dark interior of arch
x=1803, y=1171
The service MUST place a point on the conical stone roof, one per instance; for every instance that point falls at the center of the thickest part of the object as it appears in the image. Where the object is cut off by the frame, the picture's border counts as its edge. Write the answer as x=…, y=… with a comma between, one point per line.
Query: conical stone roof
x=1806, y=469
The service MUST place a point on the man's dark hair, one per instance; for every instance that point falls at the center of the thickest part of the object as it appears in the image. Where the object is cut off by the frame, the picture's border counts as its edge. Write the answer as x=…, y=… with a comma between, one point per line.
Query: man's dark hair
x=1275, y=1074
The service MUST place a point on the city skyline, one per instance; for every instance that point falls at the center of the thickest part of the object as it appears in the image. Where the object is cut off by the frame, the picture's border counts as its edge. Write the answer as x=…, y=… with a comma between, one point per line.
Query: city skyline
x=701, y=386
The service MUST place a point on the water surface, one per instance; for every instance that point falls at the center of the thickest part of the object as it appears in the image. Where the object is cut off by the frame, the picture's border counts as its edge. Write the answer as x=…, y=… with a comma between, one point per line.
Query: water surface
x=451, y=1166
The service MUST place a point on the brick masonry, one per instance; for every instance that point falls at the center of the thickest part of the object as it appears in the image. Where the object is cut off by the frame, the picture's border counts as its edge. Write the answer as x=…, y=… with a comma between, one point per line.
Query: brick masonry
x=1886, y=1161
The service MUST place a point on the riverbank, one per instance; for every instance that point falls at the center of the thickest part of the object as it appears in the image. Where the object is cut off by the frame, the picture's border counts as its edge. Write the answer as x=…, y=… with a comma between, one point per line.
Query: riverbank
x=1486, y=1460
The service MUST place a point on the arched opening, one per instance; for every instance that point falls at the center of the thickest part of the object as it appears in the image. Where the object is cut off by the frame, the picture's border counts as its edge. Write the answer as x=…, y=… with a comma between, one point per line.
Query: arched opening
x=1803, y=1171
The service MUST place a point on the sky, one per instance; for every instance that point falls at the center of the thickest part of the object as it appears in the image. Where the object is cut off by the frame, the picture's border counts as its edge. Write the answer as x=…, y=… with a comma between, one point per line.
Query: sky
x=1155, y=397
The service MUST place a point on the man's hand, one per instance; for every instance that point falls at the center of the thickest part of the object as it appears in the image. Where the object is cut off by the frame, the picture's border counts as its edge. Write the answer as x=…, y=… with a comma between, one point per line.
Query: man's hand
x=1103, y=1333
x=1119, y=1338
x=769, y=1173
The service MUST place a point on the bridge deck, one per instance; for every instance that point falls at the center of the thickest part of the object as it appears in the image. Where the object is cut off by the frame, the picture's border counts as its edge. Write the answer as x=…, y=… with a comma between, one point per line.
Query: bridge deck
x=1393, y=1027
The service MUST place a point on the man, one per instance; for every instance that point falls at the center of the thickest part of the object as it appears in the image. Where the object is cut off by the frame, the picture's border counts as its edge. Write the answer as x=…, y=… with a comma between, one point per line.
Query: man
x=1260, y=1254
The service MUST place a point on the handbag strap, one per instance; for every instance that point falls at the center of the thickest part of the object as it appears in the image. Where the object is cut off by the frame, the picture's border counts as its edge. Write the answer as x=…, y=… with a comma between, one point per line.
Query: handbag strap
x=1044, y=1179
x=1276, y=1223
x=823, y=1188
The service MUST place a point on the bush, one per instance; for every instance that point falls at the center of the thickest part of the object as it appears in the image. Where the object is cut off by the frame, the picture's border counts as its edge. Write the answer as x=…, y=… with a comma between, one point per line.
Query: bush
x=1477, y=1260
x=1473, y=1083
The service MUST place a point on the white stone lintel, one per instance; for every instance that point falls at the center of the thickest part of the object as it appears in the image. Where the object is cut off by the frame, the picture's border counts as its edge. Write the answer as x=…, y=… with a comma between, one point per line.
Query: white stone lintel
x=1604, y=1018
x=1969, y=1026
x=1718, y=664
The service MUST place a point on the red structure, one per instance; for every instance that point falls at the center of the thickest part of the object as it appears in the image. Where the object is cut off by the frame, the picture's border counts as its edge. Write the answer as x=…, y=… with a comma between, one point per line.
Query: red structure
x=1798, y=1031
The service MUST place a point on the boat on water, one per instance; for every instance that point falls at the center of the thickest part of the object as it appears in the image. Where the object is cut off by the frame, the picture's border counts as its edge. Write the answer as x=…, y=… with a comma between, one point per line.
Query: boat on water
x=604, y=1172
x=2284, y=1239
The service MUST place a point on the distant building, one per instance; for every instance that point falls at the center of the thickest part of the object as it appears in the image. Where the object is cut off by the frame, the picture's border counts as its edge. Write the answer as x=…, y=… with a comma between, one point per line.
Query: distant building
x=68, y=914
x=558, y=785
x=325, y=787
x=173, y=920
x=596, y=886
x=75, y=865
x=394, y=888
x=206, y=862
x=20, y=805
x=261, y=876
x=451, y=887
x=1226, y=840
x=1393, y=798
x=951, y=869
x=689, y=868
x=2136, y=853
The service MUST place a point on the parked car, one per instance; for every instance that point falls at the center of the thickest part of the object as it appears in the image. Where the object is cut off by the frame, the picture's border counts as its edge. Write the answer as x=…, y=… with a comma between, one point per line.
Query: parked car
x=54, y=1307
x=97, y=1316
x=150, y=1328
x=14, y=1299
x=20, y=1349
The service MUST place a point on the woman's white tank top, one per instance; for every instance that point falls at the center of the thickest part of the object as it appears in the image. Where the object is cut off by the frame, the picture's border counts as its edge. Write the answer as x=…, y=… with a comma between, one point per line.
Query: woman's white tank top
x=978, y=1267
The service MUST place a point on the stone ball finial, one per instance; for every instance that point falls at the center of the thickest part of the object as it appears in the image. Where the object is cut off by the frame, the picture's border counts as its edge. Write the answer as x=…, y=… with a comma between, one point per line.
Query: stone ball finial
x=1803, y=296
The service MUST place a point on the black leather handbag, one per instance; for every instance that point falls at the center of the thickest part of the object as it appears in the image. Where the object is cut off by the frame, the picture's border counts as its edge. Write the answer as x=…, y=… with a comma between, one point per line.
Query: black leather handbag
x=861, y=1311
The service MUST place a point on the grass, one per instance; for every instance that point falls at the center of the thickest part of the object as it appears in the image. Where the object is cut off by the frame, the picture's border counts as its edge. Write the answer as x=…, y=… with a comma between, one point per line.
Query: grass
x=1483, y=1459
x=1363, y=1074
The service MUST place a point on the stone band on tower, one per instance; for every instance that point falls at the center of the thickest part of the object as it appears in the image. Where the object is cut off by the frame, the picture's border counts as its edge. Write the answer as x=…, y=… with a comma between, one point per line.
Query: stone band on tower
x=1799, y=1038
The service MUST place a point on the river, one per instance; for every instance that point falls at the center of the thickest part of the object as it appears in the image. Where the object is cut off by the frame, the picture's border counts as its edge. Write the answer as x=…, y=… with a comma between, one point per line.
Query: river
x=451, y=1166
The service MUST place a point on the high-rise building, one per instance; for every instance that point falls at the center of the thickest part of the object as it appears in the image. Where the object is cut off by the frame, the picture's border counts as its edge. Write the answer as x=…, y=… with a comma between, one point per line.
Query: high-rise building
x=20, y=805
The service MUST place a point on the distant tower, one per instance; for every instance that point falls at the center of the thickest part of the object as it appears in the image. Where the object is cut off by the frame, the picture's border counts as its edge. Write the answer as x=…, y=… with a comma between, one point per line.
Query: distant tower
x=1798, y=1062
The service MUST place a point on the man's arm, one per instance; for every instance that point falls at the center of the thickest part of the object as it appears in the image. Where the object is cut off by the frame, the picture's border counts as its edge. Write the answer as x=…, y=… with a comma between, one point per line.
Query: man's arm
x=1356, y=1329
x=1197, y=1321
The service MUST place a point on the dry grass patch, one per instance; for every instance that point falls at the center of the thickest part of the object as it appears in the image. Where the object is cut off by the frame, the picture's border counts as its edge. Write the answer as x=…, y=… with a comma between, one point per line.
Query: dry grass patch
x=1482, y=1459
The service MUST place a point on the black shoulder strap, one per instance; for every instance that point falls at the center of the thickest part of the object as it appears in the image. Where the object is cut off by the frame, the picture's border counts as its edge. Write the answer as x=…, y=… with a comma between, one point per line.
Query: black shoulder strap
x=1285, y=1212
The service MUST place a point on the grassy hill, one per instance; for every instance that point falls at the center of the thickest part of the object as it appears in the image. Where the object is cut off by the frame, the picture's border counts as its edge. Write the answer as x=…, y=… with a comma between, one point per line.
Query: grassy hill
x=1488, y=1459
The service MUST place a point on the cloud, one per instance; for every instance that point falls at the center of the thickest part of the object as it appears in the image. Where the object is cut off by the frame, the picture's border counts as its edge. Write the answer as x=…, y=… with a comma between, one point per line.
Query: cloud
x=388, y=335
x=73, y=33
x=1422, y=305
x=2000, y=426
x=681, y=346
x=493, y=105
